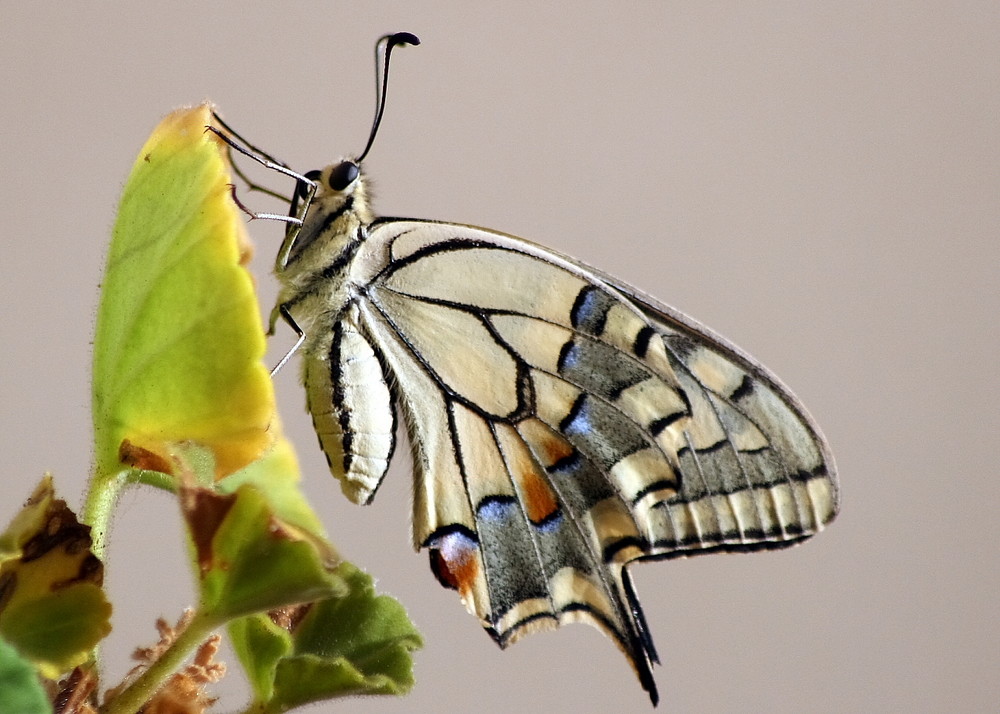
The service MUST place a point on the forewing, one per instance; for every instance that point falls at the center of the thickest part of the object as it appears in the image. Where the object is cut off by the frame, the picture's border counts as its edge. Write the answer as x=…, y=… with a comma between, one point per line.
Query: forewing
x=564, y=426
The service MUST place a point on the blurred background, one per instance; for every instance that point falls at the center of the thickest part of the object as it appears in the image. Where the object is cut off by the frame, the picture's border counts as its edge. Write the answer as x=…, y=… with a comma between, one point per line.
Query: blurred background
x=818, y=183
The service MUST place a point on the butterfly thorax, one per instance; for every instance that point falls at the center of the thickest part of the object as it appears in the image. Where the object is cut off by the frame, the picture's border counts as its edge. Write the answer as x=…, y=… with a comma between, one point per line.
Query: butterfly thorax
x=314, y=264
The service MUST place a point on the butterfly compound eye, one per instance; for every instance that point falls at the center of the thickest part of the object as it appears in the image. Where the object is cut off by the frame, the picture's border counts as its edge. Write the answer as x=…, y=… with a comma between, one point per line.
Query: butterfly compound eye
x=343, y=175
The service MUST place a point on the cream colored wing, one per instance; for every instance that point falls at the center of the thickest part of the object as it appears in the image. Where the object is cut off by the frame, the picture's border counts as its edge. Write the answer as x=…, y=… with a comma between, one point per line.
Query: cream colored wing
x=759, y=472
x=564, y=425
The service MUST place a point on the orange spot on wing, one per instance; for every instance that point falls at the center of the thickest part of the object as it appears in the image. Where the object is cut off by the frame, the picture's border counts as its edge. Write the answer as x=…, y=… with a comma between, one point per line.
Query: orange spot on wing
x=539, y=500
x=458, y=572
x=555, y=449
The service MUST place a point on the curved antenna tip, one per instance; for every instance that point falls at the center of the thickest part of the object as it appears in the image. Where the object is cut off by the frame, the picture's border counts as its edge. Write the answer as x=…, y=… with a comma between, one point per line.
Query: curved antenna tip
x=403, y=38
x=383, y=48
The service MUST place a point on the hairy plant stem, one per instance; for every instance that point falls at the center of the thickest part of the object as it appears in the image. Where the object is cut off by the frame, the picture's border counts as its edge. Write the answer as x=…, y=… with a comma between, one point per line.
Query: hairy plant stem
x=103, y=494
x=136, y=694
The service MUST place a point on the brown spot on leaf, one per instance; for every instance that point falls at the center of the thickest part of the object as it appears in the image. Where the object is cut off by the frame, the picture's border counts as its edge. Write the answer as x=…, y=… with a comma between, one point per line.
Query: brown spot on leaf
x=8, y=584
x=59, y=530
x=137, y=457
x=205, y=510
x=288, y=618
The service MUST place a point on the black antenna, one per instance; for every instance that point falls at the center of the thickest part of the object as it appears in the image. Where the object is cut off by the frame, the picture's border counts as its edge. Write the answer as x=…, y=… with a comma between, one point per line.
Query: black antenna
x=383, y=48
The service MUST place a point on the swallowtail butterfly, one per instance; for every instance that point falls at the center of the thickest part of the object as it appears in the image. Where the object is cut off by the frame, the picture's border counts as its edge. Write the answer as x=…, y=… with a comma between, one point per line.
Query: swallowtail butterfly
x=562, y=424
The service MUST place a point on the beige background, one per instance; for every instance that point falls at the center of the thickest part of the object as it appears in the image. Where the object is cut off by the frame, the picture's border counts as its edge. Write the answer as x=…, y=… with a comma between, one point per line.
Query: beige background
x=819, y=183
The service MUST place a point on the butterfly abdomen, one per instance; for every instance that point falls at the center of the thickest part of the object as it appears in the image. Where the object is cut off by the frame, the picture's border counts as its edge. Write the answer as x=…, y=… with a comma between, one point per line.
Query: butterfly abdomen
x=351, y=407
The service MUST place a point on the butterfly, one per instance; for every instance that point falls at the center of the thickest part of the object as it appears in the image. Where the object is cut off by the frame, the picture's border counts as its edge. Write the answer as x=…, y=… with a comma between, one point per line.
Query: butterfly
x=563, y=425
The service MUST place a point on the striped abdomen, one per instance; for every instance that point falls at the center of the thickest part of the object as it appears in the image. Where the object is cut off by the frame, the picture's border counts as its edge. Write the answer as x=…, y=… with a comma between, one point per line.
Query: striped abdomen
x=352, y=409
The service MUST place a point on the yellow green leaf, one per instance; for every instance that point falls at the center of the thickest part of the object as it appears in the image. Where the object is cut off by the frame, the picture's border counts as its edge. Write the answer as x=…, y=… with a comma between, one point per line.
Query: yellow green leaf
x=277, y=474
x=52, y=606
x=178, y=344
x=179, y=388
x=260, y=645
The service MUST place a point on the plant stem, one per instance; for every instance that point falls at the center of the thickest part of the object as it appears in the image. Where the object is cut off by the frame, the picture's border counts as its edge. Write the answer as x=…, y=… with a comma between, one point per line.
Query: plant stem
x=135, y=695
x=102, y=495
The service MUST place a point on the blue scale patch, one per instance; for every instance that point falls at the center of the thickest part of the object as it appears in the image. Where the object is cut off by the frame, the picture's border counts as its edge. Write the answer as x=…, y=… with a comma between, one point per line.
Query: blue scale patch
x=590, y=310
x=495, y=508
x=453, y=544
x=550, y=524
x=581, y=421
x=570, y=356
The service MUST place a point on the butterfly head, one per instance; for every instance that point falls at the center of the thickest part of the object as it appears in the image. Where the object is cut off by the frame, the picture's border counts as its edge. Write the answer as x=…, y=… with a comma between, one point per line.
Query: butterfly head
x=341, y=177
x=334, y=206
x=337, y=189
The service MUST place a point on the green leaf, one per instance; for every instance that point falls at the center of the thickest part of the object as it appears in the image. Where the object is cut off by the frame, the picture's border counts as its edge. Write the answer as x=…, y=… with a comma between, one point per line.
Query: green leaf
x=52, y=608
x=260, y=644
x=178, y=343
x=20, y=690
x=58, y=630
x=353, y=645
x=249, y=560
x=277, y=475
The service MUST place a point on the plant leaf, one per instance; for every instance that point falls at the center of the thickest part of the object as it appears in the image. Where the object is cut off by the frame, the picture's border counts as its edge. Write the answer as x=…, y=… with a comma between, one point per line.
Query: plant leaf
x=179, y=388
x=250, y=560
x=260, y=644
x=263, y=646
x=277, y=475
x=179, y=249
x=20, y=690
x=52, y=606
x=356, y=644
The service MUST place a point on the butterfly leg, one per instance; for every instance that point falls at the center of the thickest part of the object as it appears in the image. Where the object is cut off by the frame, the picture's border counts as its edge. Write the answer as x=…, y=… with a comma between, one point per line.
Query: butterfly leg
x=282, y=311
x=267, y=162
x=265, y=216
x=238, y=137
x=253, y=185
x=261, y=158
x=305, y=186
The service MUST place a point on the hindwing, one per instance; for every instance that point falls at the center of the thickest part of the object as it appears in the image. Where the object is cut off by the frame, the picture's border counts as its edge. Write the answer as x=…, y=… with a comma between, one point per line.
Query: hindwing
x=564, y=425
